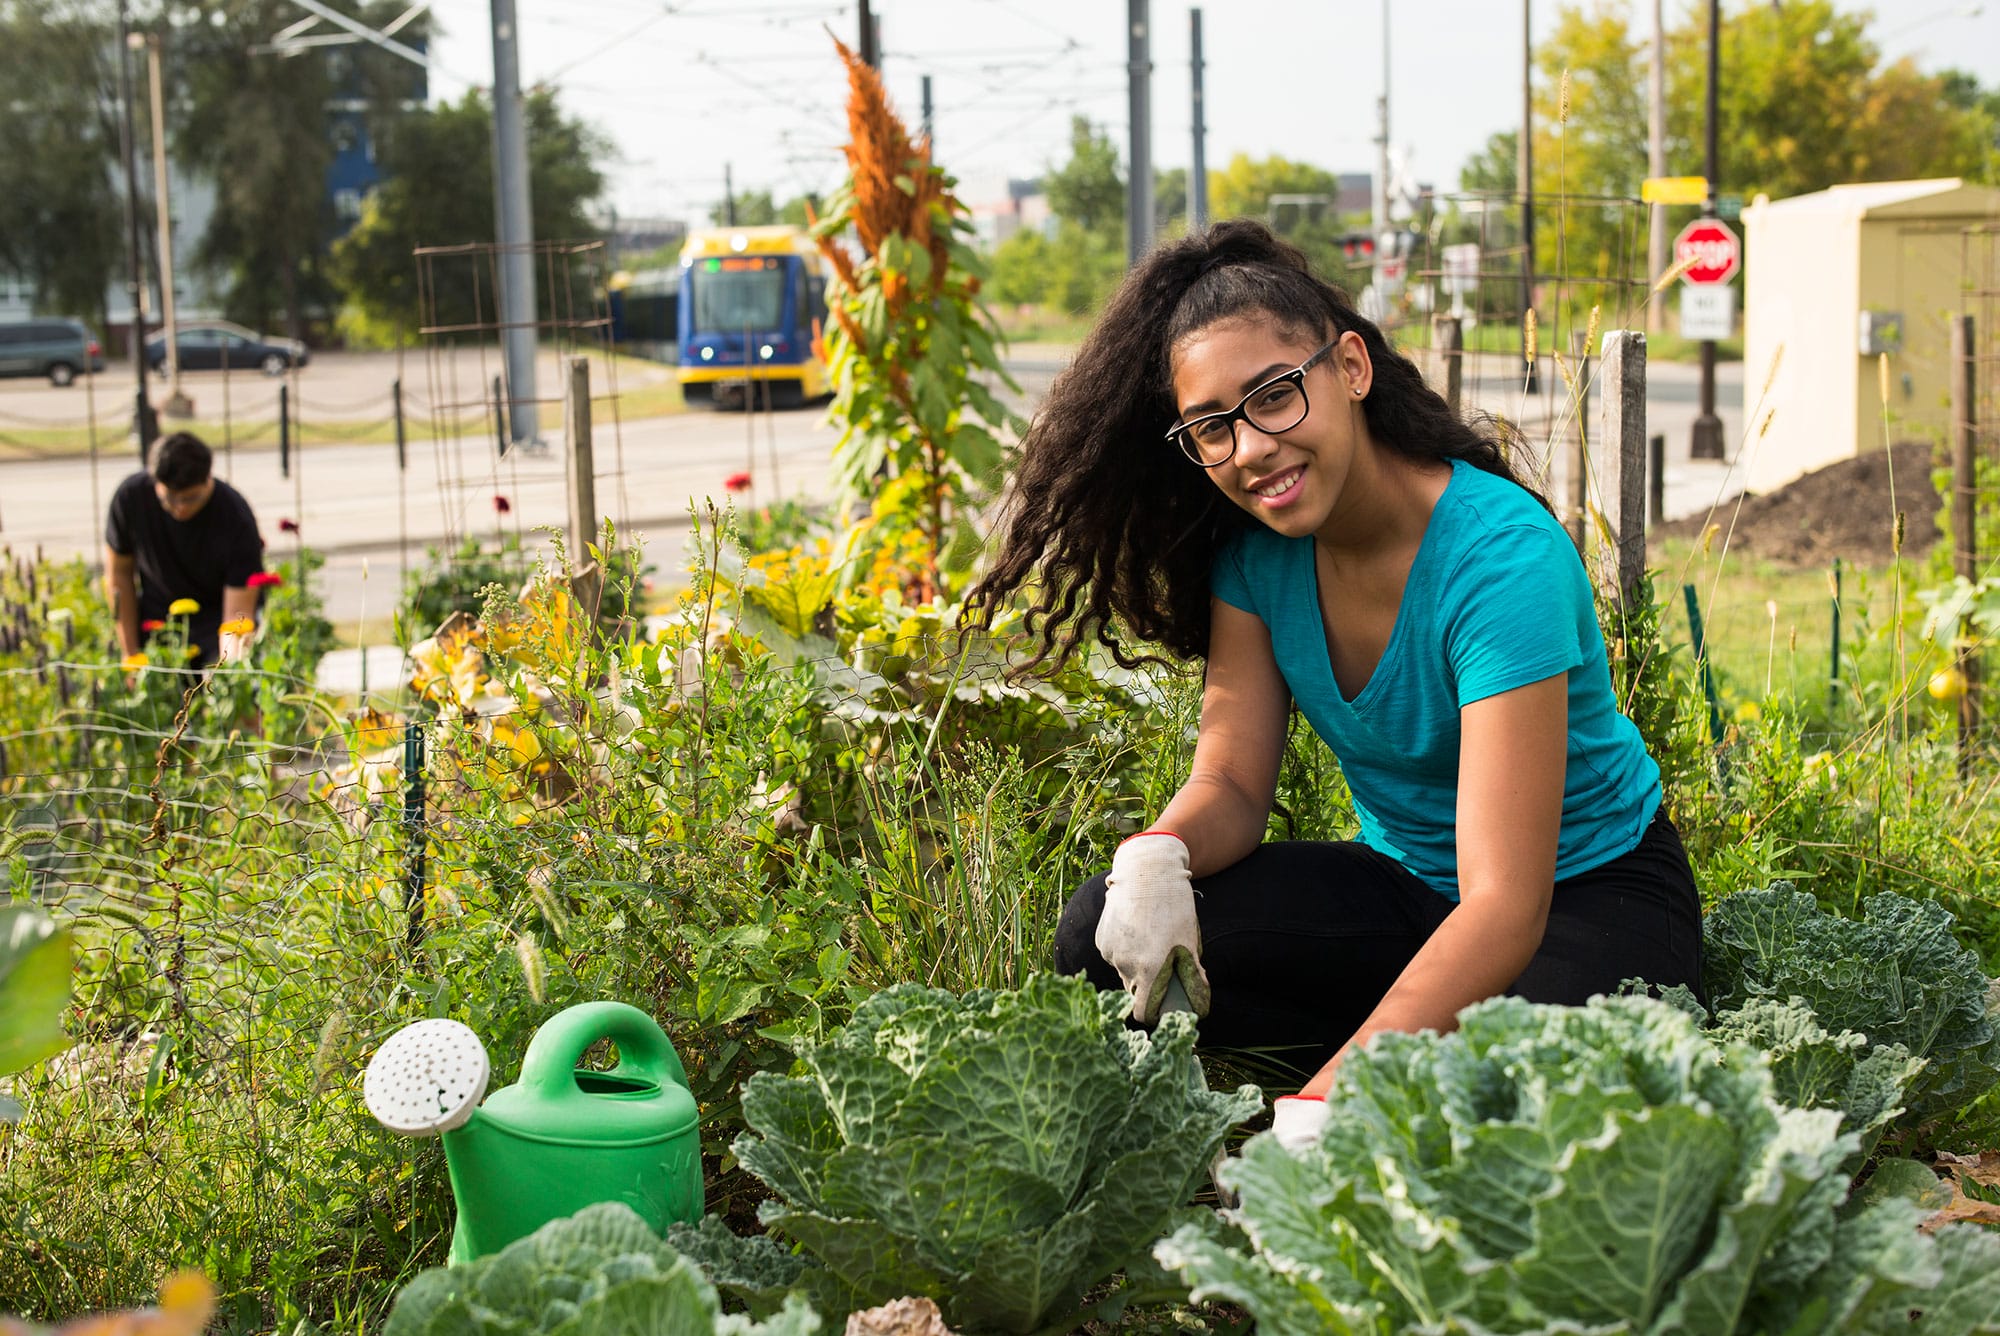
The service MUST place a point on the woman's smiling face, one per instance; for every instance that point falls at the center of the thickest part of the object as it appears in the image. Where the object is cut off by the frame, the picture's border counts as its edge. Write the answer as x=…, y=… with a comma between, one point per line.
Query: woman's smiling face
x=1291, y=479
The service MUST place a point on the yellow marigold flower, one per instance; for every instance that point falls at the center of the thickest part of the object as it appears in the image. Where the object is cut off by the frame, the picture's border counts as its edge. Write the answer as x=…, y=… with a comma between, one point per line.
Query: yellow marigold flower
x=183, y=607
x=135, y=661
x=194, y=651
x=239, y=626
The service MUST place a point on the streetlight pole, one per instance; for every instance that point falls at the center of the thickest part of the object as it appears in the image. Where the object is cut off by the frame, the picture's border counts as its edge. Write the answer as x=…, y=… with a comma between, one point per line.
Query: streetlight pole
x=514, y=228
x=1139, y=78
x=144, y=425
x=1656, y=164
x=178, y=405
x=1707, y=442
x=1525, y=160
x=1198, y=173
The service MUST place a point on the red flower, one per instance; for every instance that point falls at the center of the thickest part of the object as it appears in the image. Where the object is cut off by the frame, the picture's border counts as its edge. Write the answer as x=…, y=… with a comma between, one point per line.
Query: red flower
x=288, y=526
x=502, y=505
x=737, y=482
x=265, y=580
x=152, y=624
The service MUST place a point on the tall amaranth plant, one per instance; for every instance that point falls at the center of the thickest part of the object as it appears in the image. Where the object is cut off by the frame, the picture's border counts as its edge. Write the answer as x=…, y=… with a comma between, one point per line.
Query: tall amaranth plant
x=911, y=349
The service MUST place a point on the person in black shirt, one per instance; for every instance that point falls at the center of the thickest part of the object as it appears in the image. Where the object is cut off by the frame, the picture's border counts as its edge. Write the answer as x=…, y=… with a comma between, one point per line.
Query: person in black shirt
x=179, y=532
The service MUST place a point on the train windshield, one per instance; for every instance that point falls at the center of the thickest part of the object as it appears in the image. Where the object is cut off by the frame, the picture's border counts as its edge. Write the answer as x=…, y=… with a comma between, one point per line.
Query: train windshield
x=739, y=292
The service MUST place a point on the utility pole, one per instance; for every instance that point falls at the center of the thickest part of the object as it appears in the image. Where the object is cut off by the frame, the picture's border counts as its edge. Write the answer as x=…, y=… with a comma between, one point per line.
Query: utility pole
x=1198, y=173
x=1382, y=148
x=515, y=228
x=871, y=54
x=144, y=425
x=1656, y=165
x=728, y=197
x=1707, y=443
x=930, y=135
x=1139, y=186
x=178, y=404
x=1525, y=157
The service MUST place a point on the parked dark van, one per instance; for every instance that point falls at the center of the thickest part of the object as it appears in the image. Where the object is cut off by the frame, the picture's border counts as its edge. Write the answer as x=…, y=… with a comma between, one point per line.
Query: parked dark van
x=62, y=350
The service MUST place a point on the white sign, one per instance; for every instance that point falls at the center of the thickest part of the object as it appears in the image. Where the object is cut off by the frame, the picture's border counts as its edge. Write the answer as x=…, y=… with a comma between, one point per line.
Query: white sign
x=1708, y=312
x=1461, y=274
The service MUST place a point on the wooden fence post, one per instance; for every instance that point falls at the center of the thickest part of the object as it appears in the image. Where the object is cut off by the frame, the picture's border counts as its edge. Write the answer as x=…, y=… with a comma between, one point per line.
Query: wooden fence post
x=588, y=583
x=1448, y=337
x=1579, y=458
x=1622, y=474
x=1965, y=520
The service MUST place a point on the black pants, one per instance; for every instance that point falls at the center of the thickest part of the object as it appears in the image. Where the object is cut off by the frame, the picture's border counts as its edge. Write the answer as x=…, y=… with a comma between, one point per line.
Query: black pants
x=1301, y=940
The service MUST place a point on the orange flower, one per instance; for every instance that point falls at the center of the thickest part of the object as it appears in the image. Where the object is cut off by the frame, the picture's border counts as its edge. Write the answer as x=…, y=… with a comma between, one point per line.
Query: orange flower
x=238, y=626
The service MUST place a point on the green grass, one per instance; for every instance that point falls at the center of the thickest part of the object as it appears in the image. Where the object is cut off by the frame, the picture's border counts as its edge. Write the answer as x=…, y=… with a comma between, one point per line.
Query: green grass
x=1769, y=628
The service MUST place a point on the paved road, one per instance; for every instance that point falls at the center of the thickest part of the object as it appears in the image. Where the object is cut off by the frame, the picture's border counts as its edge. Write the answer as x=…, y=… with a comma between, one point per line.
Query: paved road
x=352, y=503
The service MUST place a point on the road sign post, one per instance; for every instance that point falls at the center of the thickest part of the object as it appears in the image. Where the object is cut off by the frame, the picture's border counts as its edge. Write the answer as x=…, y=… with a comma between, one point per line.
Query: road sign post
x=1711, y=253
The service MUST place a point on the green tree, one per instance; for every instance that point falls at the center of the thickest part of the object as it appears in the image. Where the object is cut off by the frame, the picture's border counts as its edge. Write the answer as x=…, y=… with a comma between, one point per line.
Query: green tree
x=60, y=213
x=438, y=190
x=1089, y=189
x=1494, y=169
x=1806, y=103
x=1170, y=201
x=1243, y=188
x=754, y=208
x=256, y=125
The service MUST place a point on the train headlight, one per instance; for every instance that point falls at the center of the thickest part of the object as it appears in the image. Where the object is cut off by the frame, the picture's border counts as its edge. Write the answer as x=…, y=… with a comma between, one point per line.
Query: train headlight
x=765, y=352
x=708, y=354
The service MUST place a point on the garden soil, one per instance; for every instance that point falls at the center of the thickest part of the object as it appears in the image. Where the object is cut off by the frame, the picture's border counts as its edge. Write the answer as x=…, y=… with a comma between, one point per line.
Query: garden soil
x=1843, y=510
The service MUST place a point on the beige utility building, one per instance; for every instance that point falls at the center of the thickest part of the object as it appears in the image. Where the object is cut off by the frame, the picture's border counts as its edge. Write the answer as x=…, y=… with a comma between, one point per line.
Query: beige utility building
x=1834, y=280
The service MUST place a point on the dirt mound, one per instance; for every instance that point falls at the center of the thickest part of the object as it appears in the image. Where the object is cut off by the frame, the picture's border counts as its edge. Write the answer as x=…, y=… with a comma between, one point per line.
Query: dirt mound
x=1843, y=510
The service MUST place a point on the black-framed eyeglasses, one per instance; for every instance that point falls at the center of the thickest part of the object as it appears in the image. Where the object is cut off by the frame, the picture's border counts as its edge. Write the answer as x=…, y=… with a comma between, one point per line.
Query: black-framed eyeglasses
x=1278, y=405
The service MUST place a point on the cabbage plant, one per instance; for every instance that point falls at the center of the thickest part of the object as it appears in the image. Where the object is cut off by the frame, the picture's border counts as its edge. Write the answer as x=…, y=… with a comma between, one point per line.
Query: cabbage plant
x=1001, y=1153
x=600, y=1272
x=1897, y=976
x=1601, y=1169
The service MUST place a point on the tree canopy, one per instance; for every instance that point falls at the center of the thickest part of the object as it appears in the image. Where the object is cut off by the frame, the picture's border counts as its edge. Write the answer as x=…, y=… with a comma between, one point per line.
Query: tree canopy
x=438, y=191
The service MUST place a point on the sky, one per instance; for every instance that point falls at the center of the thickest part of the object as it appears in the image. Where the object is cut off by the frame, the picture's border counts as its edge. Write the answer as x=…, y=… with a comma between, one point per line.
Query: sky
x=689, y=89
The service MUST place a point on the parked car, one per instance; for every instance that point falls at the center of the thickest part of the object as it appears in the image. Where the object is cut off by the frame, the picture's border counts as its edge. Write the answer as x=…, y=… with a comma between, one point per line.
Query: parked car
x=206, y=345
x=59, y=349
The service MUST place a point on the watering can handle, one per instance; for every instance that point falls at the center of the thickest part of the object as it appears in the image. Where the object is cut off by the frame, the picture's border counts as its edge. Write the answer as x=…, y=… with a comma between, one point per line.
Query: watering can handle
x=644, y=1050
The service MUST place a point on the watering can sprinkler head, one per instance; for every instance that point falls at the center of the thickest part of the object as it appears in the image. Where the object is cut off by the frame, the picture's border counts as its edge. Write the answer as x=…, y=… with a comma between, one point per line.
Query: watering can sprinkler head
x=426, y=1078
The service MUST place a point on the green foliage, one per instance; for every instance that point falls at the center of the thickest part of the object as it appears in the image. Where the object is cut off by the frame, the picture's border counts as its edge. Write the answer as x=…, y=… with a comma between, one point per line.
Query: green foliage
x=1896, y=976
x=600, y=1272
x=256, y=125
x=1088, y=189
x=34, y=987
x=437, y=190
x=455, y=581
x=1597, y=1169
x=1807, y=102
x=1001, y=1153
x=59, y=214
x=1812, y=1068
x=1072, y=272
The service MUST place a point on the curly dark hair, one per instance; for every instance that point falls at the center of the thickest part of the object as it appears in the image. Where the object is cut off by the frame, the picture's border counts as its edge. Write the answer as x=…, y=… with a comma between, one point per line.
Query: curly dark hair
x=1116, y=525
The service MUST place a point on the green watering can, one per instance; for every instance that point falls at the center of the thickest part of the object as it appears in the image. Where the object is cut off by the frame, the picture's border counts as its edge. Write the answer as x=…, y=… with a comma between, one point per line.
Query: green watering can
x=559, y=1140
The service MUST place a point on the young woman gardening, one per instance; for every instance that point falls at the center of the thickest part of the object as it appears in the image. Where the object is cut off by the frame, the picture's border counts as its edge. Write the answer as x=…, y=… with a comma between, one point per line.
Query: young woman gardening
x=1237, y=467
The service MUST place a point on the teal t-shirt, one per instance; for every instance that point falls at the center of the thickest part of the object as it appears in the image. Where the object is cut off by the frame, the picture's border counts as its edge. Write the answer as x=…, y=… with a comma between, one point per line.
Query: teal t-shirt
x=1497, y=598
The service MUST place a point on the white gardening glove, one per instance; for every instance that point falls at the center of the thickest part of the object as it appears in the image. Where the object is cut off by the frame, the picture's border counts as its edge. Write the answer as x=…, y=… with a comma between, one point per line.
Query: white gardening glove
x=1298, y=1120
x=1148, y=931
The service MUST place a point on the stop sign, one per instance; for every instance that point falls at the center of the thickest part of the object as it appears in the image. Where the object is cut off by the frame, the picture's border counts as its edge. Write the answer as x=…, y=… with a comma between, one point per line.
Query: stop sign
x=1712, y=251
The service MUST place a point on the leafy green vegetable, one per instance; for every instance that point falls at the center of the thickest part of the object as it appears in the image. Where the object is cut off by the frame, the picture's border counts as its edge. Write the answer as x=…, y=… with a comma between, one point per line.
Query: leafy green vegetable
x=1000, y=1152
x=1600, y=1169
x=1812, y=1069
x=1897, y=976
x=601, y=1272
